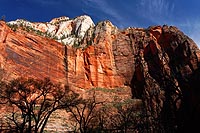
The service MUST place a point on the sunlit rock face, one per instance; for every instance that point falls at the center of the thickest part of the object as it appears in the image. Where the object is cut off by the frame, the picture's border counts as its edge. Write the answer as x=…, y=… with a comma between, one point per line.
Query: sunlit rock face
x=29, y=55
x=62, y=29
x=159, y=64
x=102, y=54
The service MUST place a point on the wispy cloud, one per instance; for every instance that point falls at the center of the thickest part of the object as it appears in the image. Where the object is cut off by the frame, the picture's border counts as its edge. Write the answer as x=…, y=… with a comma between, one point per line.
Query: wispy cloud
x=156, y=10
x=105, y=9
x=163, y=12
x=191, y=27
x=153, y=11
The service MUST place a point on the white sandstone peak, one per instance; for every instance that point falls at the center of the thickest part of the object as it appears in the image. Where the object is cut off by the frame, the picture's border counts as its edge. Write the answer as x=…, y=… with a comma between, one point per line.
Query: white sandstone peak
x=62, y=29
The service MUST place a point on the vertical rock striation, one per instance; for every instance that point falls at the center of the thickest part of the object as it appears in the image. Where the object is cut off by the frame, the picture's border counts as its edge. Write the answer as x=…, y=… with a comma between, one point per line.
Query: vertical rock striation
x=159, y=64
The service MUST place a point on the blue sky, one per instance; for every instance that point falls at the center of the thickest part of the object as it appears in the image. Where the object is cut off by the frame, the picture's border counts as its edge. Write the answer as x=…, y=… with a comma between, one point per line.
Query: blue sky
x=184, y=14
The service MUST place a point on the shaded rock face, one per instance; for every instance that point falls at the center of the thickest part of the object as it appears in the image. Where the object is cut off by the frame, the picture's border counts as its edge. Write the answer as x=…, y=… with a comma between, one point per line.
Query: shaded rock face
x=160, y=65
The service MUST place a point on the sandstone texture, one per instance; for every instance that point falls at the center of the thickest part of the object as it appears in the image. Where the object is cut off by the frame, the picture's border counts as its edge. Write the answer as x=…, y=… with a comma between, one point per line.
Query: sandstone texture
x=160, y=64
x=29, y=55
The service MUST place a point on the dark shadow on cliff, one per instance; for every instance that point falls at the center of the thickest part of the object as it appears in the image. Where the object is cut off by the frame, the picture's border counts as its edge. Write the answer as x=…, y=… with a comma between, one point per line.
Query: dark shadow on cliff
x=66, y=63
x=188, y=115
x=171, y=100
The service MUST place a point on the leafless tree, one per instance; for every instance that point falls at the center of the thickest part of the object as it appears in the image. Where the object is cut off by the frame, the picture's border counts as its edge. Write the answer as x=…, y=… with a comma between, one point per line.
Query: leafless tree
x=125, y=117
x=85, y=114
x=31, y=103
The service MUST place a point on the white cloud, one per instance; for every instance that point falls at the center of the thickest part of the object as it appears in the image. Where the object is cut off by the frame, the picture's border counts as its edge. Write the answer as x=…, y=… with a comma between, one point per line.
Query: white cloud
x=155, y=10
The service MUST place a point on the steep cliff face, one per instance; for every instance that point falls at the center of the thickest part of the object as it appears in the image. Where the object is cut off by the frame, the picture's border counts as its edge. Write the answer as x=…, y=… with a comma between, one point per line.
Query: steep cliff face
x=29, y=55
x=159, y=64
x=109, y=57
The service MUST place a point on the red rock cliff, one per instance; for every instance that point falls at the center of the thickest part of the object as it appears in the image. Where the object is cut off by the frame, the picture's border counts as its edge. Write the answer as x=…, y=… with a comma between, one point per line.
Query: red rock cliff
x=29, y=55
x=157, y=63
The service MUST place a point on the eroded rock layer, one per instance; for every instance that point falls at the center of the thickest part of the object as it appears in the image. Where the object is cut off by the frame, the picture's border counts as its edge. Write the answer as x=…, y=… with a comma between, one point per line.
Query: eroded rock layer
x=28, y=55
x=160, y=65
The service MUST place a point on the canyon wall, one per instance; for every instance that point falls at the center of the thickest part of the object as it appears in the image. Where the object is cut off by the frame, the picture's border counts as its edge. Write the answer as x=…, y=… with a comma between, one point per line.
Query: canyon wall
x=159, y=64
